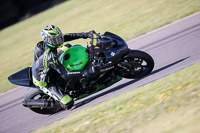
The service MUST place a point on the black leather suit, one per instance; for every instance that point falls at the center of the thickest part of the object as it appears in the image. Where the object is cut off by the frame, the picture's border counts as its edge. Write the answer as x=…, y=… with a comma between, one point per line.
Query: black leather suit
x=45, y=59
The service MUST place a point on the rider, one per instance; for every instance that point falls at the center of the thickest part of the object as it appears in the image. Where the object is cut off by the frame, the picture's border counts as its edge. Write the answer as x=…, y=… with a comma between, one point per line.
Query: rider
x=46, y=61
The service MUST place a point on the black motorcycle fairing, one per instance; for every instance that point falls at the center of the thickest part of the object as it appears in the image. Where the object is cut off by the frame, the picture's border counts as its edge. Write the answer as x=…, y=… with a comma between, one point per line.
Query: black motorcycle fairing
x=115, y=53
x=22, y=78
x=117, y=38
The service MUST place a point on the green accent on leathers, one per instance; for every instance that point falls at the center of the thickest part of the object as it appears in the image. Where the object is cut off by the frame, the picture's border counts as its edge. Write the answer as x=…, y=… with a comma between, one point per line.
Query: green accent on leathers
x=77, y=58
x=45, y=58
x=66, y=99
x=38, y=83
x=51, y=45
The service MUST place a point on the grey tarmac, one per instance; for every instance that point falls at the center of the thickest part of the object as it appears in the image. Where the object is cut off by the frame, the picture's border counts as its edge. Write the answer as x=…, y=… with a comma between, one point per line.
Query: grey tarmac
x=173, y=47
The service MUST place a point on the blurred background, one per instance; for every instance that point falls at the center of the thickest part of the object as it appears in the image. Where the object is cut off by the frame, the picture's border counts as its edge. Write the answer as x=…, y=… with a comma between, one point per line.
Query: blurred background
x=127, y=18
x=13, y=11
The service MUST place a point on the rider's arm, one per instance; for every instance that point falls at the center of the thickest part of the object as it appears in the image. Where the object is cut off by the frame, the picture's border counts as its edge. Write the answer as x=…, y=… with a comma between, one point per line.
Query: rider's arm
x=73, y=36
x=56, y=65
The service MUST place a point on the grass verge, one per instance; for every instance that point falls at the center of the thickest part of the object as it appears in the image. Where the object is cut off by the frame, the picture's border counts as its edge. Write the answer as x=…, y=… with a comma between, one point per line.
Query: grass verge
x=168, y=105
x=128, y=18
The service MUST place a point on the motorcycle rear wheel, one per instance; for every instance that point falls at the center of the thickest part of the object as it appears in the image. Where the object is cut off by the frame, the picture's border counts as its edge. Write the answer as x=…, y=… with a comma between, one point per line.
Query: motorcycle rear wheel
x=136, y=64
x=34, y=93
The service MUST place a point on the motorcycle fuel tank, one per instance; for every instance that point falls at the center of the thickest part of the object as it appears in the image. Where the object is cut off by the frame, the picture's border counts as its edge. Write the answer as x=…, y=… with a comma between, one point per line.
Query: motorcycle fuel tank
x=75, y=58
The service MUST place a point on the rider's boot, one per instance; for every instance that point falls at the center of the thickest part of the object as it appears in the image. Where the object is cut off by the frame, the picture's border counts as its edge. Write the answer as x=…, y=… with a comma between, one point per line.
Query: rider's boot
x=66, y=101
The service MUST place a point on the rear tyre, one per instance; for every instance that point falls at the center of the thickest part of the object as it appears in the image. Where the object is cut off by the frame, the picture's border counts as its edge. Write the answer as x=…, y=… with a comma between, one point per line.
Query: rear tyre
x=136, y=64
x=34, y=93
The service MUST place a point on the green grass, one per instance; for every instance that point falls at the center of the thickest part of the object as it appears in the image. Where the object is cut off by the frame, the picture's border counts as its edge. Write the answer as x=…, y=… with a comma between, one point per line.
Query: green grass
x=128, y=18
x=168, y=105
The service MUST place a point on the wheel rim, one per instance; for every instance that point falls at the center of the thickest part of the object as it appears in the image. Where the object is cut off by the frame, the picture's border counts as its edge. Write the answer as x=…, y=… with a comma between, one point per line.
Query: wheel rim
x=134, y=66
x=138, y=65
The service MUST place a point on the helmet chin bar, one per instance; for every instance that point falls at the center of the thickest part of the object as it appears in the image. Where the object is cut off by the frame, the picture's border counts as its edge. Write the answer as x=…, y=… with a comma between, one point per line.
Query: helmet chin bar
x=57, y=40
x=52, y=46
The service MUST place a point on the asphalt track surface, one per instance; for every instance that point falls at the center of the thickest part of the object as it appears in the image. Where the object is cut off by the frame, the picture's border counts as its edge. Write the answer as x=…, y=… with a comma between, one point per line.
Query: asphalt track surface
x=173, y=47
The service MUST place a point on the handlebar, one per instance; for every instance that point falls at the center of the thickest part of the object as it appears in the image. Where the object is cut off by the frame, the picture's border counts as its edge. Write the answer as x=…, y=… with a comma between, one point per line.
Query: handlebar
x=100, y=41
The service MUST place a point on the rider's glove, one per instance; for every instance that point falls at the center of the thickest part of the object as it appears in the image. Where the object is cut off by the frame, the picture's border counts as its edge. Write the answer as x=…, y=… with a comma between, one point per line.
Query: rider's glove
x=88, y=73
x=90, y=33
x=84, y=35
x=92, y=70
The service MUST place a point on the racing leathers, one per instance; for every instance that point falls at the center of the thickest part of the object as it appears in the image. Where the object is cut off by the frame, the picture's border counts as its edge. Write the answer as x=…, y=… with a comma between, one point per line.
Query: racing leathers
x=46, y=61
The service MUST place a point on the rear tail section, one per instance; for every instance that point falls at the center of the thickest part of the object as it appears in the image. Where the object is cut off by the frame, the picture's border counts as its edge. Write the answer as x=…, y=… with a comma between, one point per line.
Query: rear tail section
x=22, y=77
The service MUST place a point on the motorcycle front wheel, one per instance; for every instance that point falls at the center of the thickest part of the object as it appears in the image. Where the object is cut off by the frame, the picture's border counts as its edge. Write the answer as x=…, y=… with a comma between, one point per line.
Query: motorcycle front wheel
x=136, y=64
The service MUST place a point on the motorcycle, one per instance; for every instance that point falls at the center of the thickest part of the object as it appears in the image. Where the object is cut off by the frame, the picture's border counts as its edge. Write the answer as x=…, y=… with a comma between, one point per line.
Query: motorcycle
x=132, y=64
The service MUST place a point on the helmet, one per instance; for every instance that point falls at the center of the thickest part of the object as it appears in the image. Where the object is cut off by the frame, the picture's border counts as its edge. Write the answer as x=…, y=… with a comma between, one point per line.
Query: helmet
x=52, y=35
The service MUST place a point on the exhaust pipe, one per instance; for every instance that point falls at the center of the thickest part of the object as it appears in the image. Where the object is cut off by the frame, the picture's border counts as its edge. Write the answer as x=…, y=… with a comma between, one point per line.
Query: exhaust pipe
x=38, y=103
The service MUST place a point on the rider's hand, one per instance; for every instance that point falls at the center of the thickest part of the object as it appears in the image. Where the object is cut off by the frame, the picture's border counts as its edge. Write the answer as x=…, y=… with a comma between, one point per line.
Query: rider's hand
x=92, y=70
x=90, y=33
x=88, y=73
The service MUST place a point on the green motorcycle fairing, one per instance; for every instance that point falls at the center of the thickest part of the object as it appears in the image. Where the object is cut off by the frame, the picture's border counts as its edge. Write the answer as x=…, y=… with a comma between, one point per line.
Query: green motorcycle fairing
x=75, y=58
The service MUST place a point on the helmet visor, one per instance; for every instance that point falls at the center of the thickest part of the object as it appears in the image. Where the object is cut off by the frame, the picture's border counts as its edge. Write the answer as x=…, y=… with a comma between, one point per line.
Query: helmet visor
x=56, y=41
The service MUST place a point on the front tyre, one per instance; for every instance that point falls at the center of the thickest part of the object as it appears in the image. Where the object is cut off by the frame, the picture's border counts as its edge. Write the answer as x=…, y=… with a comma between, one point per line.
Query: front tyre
x=136, y=64
x=34, y=93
